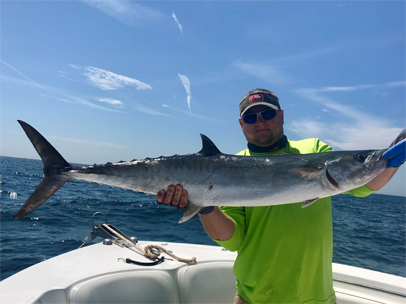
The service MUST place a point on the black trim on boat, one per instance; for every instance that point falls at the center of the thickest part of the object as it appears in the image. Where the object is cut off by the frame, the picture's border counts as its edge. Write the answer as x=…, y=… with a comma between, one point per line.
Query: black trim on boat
x=157, y=262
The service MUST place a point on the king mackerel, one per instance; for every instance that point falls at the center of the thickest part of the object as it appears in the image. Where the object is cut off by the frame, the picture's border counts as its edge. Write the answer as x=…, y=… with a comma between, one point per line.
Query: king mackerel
x=216, y=179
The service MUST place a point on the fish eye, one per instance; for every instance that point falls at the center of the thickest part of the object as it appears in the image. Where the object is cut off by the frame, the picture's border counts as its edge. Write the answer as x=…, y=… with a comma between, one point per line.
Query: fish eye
x=360, y=157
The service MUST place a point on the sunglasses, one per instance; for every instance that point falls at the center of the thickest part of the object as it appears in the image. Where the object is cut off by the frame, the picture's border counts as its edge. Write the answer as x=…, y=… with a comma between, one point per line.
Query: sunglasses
x=252, y=118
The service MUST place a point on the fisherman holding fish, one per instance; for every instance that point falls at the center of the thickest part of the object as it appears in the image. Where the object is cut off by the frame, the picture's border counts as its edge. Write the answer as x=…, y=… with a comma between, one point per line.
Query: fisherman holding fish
x=284, y=251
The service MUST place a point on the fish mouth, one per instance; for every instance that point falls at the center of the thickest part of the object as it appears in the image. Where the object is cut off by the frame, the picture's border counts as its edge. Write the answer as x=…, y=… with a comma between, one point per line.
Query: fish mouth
x=331, y=180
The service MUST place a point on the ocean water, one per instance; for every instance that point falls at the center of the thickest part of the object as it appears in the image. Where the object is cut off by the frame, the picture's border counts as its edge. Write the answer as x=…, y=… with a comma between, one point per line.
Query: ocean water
x=368, y=232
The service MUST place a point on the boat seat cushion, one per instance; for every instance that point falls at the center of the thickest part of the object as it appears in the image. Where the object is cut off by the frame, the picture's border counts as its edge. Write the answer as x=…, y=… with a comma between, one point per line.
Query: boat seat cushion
x=207, y=283
x=134, y=287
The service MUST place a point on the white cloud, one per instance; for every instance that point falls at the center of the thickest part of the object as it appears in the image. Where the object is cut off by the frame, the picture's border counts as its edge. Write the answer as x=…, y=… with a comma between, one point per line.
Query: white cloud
x=353, y=88
x=65, y=75
x=265, y=71
x=365, y=137
x=111, y=101
x=106, y=80
x=272, y=71
x=394, y=84
x=127, y=12
x=26, y=77
x=308, y=128
x=83, y=101
x=146, y=110
x=186, y=84
x=364, y=131
x=88, y=142
x=268, y=32
x=30, y=83
x=75, y=66
x=177, y=22
x=309, y=54
x=189, y=113
x=356, y=136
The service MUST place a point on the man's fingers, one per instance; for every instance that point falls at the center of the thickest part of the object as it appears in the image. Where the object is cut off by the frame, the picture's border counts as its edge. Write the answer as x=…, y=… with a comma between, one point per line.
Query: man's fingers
x=176, y=196
x=169, y=194
x=160, y=196
x=183, y=199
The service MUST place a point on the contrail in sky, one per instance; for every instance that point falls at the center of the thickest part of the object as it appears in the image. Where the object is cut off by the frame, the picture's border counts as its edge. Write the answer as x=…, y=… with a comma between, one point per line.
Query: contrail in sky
x=186, y=84
x=177, y=22
x=36, y=83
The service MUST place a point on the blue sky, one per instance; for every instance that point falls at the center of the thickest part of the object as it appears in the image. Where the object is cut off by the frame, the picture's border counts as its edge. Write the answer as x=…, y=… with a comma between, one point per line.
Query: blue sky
x=118, y=80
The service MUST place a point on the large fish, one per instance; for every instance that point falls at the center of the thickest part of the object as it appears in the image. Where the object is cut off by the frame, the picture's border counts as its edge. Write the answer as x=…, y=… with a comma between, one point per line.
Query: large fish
x=216, y=179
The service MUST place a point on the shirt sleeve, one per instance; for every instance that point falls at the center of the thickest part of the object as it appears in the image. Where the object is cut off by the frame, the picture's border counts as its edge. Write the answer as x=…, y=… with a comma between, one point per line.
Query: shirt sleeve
x=322, y=147
x=362, y=191
x=237, y=214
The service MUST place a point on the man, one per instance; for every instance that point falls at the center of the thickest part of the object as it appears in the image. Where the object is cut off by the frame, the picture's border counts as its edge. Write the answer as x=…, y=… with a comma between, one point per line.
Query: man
x=284, y=252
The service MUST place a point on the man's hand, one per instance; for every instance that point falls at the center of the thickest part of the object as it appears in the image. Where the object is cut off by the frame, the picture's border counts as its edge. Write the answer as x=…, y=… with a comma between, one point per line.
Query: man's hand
x=396, y=151
x=217, y=224
x=178, y=198
x=174, y=196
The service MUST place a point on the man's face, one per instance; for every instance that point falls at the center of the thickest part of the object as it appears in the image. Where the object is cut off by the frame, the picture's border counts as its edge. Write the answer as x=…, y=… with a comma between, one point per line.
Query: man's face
x=264, y=132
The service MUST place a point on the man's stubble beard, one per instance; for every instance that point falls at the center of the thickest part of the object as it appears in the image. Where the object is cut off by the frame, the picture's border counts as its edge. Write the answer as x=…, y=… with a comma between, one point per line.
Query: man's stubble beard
x=271, y=139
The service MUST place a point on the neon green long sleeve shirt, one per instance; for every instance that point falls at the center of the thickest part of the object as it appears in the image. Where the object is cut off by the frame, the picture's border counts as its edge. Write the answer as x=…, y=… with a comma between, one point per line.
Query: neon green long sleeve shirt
x=285, y=252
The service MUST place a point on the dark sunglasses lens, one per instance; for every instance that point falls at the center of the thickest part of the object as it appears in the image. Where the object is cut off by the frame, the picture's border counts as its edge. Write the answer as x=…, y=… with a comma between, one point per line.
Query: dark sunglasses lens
x=250, y=118
x=268, y=114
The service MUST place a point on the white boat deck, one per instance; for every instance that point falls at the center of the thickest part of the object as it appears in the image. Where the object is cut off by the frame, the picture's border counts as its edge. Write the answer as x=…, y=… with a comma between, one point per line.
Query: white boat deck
x=94, y=274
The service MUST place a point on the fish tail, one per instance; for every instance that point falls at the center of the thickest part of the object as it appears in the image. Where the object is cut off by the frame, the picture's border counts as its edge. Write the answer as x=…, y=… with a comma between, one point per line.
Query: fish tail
x=54, y=163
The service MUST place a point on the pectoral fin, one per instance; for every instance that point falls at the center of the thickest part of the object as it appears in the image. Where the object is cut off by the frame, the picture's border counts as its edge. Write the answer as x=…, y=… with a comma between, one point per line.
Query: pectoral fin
x=309, y=202
x=191, y=210
x=307, y=174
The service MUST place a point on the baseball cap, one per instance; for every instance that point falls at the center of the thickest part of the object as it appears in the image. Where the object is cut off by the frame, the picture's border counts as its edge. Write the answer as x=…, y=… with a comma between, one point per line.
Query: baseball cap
x=259, y=97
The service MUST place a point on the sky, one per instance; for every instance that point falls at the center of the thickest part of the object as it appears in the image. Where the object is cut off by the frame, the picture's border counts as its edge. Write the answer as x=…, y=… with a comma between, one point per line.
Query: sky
x=114, y=80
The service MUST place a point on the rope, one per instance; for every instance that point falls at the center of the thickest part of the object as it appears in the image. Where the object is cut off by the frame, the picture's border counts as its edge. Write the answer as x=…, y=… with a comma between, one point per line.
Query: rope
x=153, y=251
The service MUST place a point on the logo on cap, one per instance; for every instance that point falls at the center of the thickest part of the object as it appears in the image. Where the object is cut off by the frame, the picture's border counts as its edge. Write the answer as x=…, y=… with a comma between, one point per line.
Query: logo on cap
x=256, y=97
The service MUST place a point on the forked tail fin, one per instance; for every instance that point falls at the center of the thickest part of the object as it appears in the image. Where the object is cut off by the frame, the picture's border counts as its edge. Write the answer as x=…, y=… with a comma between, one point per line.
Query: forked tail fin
x=45, y=190
x=54, y=163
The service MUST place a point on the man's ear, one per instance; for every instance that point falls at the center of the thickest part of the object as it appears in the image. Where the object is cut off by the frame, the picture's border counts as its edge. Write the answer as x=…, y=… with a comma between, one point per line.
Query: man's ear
x=241, y=123
x=282, y=116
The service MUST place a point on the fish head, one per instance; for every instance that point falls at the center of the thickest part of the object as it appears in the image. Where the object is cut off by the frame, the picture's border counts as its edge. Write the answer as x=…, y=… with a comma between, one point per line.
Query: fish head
x=354, y=169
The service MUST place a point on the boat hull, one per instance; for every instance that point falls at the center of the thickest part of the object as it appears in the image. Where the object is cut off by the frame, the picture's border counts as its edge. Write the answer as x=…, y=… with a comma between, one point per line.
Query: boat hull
x=94, y=274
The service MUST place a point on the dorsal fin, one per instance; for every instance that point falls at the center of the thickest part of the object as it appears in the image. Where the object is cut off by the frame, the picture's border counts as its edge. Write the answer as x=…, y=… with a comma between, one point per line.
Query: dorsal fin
x=209, y=148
